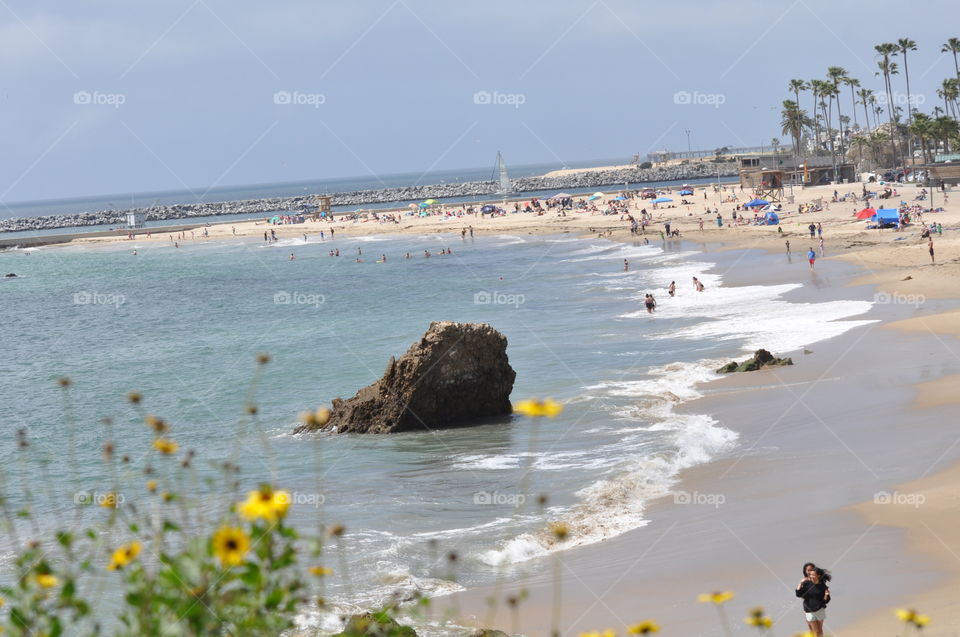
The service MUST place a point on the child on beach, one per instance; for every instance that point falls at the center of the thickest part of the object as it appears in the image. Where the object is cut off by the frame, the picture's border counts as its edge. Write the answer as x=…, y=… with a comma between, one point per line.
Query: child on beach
x=811, y=257
x=815, y=592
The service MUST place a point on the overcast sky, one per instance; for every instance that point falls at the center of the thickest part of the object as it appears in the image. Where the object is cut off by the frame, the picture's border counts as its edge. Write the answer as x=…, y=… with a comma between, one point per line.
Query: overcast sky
x=109, y=96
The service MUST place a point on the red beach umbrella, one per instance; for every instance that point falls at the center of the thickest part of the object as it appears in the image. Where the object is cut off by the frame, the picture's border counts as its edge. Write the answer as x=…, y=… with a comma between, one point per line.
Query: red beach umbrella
x=866, y=213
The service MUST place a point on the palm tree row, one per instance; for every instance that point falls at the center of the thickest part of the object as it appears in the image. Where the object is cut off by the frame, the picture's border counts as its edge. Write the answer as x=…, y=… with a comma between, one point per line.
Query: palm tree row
x=930, y=131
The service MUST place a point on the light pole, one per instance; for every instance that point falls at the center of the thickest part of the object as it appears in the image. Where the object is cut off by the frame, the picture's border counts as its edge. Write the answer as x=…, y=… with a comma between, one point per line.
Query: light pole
x=689, y=150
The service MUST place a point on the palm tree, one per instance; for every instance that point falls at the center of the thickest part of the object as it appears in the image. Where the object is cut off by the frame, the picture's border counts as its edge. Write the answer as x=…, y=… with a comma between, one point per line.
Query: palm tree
x=793, y=121
x=797, y=86
x=922, y=128
x=814, y=86
x=853, y=83
x=887, y=50
x=949, y=91
x=946, y=128
x=837, y=75
x=866, y=96
x=904, y=45
x=953, y=46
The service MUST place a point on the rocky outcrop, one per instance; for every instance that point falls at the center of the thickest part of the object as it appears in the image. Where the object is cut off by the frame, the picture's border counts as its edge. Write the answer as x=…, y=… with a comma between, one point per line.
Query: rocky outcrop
x=456, y=373
x=302, y=203
x=761, y=359
x=375, y=625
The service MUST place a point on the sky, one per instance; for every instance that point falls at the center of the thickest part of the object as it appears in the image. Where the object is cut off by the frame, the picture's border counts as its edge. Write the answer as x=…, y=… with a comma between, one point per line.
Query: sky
x=109, y=96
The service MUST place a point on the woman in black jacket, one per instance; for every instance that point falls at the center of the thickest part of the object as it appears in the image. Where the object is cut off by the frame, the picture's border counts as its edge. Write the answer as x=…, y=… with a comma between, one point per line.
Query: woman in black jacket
x=815, y=593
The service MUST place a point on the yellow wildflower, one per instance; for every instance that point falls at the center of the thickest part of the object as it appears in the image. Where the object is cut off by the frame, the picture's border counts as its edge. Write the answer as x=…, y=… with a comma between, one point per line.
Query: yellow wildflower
x=533, y=408
x=46, y=580
x=644, y=628
x=265, y=504
x=230, y=545
x=716, y=597
x=109, y=501
x=913, y=617
x=124, y=555
x=165, y=446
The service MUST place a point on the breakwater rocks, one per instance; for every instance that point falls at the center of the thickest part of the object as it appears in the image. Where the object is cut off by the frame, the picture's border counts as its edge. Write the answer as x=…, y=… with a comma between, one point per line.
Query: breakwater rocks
x=306, y=203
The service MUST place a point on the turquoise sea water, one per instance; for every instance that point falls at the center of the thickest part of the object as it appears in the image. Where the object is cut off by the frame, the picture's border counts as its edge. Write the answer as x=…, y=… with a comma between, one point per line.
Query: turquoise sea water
x=183, y=326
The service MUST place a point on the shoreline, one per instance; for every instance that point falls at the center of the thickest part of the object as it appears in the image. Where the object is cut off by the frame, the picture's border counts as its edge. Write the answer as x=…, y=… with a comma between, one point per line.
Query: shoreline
x=924, y=279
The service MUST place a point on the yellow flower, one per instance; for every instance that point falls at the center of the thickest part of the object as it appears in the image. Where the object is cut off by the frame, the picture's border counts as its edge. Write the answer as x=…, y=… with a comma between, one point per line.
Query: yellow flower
x=265, y=504
x=715, y=598
x=109, y=501
x=760, y=622
x=913, y=617
x=165, y=446
x=318, y=418
x=124, y=555
x=534, y=408
x=560, y=530
x=644, y=628
x=46, y=580
x=320, y=571
x=230, y=545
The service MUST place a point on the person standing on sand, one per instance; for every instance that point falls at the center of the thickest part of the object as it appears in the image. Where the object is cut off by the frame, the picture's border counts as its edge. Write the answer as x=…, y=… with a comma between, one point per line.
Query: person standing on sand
x=930, y=248
x=821, y=246
x=788, y=246
x=812, y=228
x=811, y=257
x=815, y=592
x=701, y=225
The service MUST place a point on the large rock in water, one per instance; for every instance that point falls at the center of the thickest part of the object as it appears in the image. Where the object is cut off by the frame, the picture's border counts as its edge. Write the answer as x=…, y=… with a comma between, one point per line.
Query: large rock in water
x=456, y=373
x=761, y=359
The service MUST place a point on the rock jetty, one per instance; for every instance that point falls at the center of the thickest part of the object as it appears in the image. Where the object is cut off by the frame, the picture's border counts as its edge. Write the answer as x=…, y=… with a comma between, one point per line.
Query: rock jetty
x=455, y=374
x=301, y=203
x=761, y=359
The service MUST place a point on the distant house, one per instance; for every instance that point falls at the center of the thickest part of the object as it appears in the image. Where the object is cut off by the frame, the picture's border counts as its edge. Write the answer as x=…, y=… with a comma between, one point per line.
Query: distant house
x=756, y=170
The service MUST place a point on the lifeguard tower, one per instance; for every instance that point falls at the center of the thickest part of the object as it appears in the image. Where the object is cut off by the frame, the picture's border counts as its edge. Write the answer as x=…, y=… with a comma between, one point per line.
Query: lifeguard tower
x=136, y=220
x=770, y=185
x=324, y=207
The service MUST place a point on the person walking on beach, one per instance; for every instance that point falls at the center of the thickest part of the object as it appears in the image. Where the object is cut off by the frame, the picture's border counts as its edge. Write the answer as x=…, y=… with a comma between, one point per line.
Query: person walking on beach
x=788, y=246
x=811, y=257
x=819, y=229
x=701, y=225
x=812, y=228
x=821, y=246
x=930, y=248
x=815, y=593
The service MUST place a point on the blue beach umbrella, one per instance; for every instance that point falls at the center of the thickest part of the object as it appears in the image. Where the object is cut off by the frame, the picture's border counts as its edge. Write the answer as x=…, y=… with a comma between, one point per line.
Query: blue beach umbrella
x=489, y=208
x=424, y=205
x=620, y=198
x=662, y=200
x=686, y=192
x=757, y=203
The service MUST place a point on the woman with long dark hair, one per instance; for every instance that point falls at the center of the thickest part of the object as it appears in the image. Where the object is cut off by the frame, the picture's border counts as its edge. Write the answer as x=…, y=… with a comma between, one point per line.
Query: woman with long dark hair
x=815, y=593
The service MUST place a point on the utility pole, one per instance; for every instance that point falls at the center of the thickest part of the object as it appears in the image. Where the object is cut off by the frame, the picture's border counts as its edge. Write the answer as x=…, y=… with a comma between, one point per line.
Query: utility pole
x=687, y=131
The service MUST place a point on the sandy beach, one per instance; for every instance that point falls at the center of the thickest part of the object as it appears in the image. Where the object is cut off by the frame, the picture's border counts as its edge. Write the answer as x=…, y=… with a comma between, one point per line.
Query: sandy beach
x=755, y=543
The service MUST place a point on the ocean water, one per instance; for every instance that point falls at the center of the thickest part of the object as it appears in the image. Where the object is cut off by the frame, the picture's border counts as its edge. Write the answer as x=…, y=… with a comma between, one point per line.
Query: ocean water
x=183, y=326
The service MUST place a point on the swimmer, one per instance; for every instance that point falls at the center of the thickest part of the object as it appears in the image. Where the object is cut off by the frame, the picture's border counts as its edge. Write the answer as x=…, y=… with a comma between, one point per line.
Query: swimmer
x=650, y=302
x=626, y=265
x=672, y=290
x=698, y=286
x=292, y=257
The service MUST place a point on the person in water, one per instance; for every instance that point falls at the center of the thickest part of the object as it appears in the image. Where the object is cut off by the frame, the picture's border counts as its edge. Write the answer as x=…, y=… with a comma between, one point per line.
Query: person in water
x=697, y=285
x=815, y=592
x=650, y=302
x=672, y=290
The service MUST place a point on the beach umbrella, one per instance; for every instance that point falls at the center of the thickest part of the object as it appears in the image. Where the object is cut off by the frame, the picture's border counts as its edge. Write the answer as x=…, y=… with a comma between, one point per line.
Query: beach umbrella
x=489, y=208
x=620, y=198
x=430, y=202
x=592, y=198
x=662, y=200
x=424, y=205
x=597, y=194
x=412, y=206
x=561, y=195
x=756, y=203
x=686, y=192
x=866, y=213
